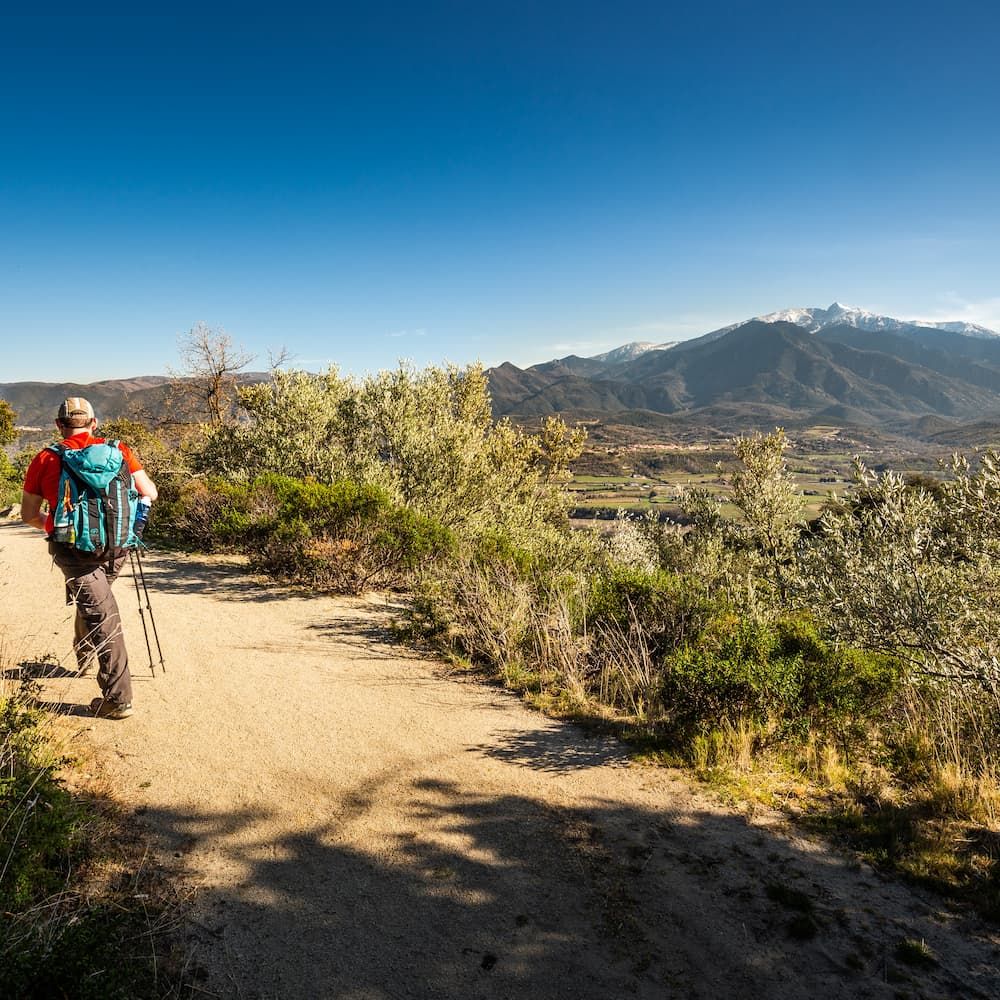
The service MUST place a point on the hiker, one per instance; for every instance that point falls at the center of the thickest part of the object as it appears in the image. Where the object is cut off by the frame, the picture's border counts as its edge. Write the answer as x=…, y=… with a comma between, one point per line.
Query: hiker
x=88, y=559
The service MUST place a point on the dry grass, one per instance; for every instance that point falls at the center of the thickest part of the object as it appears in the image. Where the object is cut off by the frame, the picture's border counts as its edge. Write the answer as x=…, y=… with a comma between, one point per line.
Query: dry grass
x=79, y=893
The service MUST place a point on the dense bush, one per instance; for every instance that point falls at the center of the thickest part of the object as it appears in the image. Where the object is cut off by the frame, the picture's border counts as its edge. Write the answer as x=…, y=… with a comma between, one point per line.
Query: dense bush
x=780, y=675
x=507, y=606
x=914, y=571
x=669, y=608
x=10, y=480
x=197, y=512
x=339, y=536
x=425, y=437
x=38, y=839
x=158, y=456
x=8, y=423
x=654, y=647
x=292, y=427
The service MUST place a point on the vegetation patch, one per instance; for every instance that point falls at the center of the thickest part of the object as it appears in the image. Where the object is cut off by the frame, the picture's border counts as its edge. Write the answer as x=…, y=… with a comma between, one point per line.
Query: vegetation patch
x=80, y=916
x=916, y=953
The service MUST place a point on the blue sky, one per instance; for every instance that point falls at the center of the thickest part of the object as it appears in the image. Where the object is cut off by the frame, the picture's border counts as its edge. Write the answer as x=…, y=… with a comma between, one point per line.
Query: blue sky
x=461, y=181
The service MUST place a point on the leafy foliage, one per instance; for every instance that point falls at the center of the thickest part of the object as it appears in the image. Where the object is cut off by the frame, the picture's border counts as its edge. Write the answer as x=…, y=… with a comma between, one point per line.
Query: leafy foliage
x=10, y=481
x=8, y=421
x=37, y=842
x=340, y=536
x=426, y=437
x=292, y=429
x=155, y=454
x=765, y=493
x=782, y=676
x=193, y=513
x=914, y=572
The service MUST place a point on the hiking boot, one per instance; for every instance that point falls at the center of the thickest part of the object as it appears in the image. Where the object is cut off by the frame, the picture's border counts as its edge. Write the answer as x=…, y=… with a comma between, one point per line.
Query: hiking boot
x=105, y=709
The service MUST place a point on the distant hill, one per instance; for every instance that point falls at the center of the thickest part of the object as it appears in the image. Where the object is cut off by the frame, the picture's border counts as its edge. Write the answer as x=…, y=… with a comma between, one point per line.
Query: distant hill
x=36, y=403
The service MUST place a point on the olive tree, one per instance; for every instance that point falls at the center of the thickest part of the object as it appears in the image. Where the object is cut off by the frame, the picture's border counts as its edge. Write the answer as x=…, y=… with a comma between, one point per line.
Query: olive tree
x=914, y=572
x=290, y=427
x=770, y=501
x=8, y=423
x=428, y=435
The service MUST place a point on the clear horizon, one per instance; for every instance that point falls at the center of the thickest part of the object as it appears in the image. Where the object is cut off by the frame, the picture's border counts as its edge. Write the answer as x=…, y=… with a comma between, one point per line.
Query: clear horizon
x=496, y=183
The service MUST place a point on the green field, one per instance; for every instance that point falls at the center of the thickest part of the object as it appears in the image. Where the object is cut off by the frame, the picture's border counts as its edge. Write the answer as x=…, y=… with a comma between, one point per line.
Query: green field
x=819, y=476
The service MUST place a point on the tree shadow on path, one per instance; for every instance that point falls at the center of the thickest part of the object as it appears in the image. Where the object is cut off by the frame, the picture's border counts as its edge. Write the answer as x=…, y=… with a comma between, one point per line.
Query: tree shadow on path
x=556, y=750
x=463, y=894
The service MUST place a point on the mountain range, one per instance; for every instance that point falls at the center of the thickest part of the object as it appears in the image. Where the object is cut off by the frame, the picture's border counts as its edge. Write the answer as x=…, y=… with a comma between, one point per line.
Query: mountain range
x=836, y=365
x=839, y=365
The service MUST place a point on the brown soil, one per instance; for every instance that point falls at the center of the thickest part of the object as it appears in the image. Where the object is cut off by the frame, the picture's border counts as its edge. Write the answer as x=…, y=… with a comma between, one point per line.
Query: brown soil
x=359, y=824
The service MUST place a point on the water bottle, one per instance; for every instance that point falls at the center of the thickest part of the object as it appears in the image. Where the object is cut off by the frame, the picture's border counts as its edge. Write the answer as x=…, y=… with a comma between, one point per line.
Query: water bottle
x=141, y=515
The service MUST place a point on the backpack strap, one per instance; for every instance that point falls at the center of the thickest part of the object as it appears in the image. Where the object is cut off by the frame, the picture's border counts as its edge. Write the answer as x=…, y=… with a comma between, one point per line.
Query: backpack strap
x=63, y=528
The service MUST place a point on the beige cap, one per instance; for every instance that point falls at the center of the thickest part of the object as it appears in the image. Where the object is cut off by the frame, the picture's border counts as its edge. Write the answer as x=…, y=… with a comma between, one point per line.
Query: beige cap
x=75, y=406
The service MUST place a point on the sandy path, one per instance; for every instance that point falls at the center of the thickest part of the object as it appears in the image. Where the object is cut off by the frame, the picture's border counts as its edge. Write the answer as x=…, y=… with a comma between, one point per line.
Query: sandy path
x=361, y=825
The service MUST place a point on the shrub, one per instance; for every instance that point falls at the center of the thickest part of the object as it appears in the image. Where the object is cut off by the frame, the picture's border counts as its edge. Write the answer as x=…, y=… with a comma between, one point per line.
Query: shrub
x=667, y=607
x=342, y=536
x=293, y=428
x=156, y=455
x=10, y=481
x=8, y=423
x=781, y=675
x=40, y=819
x=770, y=502
x=914, y=573
x=506, y=607
x=198, y=513
x=633, y=543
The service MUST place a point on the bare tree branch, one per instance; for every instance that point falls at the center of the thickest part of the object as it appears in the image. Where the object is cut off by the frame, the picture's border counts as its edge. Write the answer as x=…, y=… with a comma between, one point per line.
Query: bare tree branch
x=210, y=362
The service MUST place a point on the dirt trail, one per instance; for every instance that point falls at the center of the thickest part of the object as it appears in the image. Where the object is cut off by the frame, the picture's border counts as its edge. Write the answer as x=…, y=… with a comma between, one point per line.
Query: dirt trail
x=362, y=826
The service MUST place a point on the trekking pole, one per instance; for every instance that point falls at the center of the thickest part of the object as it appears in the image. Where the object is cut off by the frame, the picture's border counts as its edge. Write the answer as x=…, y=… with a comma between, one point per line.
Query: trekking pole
x=152, y=620
x=142, y=611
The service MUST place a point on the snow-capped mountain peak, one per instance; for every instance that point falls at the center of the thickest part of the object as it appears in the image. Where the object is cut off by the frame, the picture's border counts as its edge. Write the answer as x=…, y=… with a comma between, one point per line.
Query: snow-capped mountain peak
x=814, y=319
x=960, y=326
x=629, y=352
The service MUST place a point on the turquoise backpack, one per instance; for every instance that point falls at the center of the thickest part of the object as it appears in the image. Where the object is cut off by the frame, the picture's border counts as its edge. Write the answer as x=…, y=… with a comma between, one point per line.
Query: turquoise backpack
x=97, y=500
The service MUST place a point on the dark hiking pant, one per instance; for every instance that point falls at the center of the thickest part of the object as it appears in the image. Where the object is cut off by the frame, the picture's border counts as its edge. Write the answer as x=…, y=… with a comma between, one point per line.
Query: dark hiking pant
x=97, y=631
